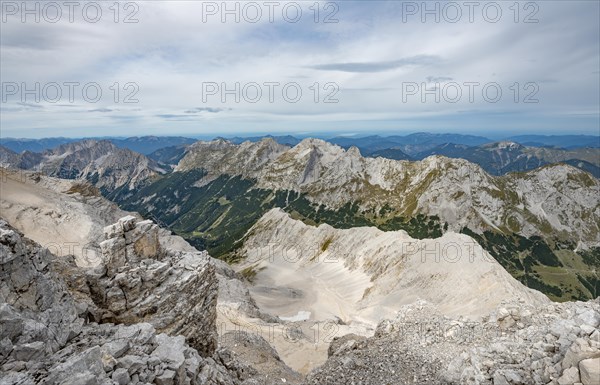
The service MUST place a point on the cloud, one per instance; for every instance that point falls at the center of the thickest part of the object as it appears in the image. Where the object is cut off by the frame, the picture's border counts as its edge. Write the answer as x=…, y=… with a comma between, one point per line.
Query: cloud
x=204, y=109
x=438, y=79
x=379, y=66
x=171, y=116
x=30, y=105
x=369, y=54
x=101, y=110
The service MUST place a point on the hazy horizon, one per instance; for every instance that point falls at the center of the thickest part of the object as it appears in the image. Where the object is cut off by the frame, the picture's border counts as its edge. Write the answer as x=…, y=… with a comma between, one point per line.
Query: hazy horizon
x=300, y=135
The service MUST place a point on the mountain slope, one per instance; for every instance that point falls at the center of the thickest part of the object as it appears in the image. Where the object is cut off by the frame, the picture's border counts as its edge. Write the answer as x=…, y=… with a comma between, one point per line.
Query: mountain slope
x=148, y=144
x=115, y=171
x=169, y=156
x=364, y=273
x=65, y=216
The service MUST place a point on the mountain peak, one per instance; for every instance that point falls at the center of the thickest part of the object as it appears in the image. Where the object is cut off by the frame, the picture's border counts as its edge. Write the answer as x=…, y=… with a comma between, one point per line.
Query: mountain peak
x=314, y=142
x=82, y=145
x=354, y=151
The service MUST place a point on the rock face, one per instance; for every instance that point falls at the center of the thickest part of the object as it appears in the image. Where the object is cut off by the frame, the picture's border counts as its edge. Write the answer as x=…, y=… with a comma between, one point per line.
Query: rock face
x=590, y=371
x=45, y=338
x=139, y=279
x=516, y=344
x=35, y=306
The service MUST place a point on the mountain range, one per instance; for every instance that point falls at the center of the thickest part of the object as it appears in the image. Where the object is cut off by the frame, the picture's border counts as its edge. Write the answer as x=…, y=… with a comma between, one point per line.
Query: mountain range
x=144, y=144
x=108, y=297
x=112, y=169
x=503, y=157
x=541, y=225
x=519, y=153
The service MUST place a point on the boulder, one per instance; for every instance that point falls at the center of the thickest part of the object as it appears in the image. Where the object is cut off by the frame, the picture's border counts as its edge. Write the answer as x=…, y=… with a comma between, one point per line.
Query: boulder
x=590, y=371
x=569, y=376
x=581, y=349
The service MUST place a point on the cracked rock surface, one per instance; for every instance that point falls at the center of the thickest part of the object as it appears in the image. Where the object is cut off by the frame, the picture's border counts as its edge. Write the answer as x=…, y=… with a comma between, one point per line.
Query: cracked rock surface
x=54, y=333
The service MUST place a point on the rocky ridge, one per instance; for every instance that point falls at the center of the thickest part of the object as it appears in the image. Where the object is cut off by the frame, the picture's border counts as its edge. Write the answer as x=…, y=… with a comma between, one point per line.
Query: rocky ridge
x=223, y=157
x=46, y=339
x=555, y=201
x=145, y=314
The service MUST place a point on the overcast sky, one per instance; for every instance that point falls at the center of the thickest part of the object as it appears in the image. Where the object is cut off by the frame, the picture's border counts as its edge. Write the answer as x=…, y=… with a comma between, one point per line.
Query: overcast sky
x=361, y=67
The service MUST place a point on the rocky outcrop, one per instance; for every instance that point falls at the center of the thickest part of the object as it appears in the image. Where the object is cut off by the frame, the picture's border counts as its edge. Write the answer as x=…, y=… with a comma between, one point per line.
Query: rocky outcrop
x=37, y=314
x=45, y=338
x=140, y=280
x=515, y=344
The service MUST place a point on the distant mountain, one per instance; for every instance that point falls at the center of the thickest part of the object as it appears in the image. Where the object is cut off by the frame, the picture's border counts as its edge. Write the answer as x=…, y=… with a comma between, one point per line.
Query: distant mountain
x=142, y=144
x=223, y=157
x=34, y=145
x=9, y=158
x=25, y=160
x=409, y=144
x=169, y=156
x=561, y=141
x=367, y=144
x=148, y=144
x=503, y=157
x=391, y=153
x=115, y=171
x=424, y=137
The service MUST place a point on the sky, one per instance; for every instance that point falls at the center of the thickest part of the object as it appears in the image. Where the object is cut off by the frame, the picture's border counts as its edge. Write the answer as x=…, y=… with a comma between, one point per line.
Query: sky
x=201, y=68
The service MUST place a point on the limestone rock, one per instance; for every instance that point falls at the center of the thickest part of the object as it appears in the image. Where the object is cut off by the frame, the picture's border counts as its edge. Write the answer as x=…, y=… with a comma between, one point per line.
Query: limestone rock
x=43, y=340
x=569, y=376
x=175, y=291
x=590, y=371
